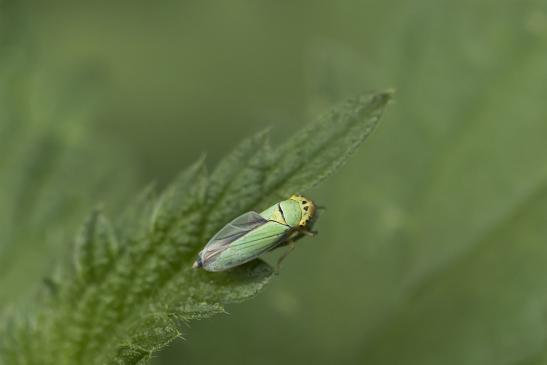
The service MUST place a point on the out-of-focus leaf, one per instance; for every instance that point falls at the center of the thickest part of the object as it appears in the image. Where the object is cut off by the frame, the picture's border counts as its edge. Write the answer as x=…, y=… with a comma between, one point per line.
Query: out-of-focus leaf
x=50, y=170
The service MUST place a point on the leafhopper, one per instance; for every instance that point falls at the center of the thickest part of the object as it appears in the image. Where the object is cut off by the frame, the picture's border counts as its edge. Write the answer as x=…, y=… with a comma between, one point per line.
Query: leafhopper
x=253, y=234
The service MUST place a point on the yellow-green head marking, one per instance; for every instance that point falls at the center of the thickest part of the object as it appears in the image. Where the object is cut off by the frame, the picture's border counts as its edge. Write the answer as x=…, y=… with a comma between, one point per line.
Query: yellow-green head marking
x=252, y=234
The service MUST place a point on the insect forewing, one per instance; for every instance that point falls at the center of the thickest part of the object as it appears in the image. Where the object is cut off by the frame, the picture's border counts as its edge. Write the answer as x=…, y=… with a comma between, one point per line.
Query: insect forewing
x=261, y=239
x=231, y=232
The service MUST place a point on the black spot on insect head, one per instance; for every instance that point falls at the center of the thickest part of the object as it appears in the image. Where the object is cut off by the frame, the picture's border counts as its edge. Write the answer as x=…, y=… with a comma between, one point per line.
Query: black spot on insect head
x=304, y=202
x=306, y=208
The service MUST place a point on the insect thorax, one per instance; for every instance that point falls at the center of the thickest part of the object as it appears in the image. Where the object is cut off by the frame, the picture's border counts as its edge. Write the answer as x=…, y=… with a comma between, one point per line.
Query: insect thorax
x=296, y=212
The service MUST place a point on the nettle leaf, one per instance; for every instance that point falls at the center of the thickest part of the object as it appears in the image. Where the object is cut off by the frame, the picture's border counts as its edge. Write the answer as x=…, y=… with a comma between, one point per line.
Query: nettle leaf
x=132, y=285
x=49, y=166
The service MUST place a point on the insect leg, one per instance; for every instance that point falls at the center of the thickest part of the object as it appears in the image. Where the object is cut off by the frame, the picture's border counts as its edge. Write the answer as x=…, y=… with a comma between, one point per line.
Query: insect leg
x=308, y=233
x=290, y=247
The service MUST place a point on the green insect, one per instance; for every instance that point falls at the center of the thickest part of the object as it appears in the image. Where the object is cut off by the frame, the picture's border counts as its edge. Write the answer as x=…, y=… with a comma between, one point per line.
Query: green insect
x=252, y=234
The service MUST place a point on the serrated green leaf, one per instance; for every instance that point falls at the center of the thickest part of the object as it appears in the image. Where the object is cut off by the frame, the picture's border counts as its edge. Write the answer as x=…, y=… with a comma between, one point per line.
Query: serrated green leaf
x=133, y=284
x=319, y=149
x=95, y=249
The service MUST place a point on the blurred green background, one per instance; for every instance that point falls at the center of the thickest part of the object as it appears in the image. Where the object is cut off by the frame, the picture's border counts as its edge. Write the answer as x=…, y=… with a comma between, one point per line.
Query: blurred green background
x=433, y=249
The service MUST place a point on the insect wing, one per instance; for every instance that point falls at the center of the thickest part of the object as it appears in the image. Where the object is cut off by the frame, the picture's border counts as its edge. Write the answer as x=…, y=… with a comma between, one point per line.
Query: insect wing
x=231, y=232
x=261, y=239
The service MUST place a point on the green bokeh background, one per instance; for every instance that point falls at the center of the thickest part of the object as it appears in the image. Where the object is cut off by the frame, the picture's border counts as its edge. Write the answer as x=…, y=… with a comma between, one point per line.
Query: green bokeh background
x=433, y=249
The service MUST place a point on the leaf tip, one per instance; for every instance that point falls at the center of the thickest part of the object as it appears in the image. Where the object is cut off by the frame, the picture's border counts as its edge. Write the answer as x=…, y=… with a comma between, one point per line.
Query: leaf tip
x=382, y=98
